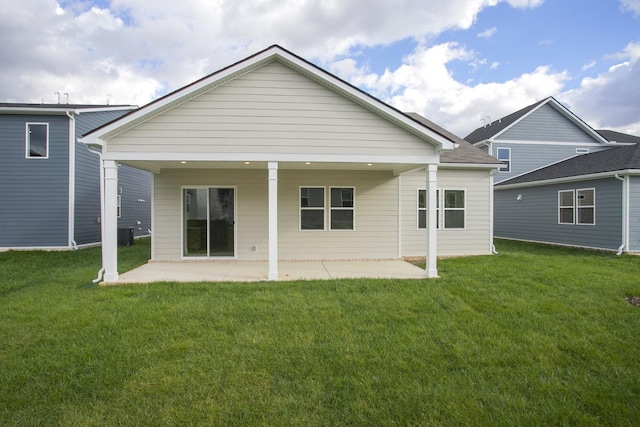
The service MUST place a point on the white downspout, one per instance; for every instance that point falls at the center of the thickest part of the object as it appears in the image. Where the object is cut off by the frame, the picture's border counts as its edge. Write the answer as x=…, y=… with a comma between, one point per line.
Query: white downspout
x=492, y=246
x=99, y=154
x=625, y=213
x=72, y=180
x=399, y=216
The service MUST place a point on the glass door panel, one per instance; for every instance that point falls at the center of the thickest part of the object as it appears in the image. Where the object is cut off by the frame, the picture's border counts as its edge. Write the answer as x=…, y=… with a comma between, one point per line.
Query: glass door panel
x=195, y=222
x=221, y=222
x=209, y=222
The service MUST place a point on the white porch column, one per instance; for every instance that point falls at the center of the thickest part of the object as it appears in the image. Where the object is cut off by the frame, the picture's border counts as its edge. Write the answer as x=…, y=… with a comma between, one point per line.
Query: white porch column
x=432, y=180
x=273, y=221
x=110, y=222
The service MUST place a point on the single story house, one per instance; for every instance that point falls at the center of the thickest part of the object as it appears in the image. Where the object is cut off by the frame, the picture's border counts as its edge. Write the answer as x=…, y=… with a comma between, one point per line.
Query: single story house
x=273, y=158
x=590, y=201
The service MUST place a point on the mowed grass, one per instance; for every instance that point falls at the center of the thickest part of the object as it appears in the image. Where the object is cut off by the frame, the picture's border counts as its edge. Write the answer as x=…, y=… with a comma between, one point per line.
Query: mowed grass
x=537, y=335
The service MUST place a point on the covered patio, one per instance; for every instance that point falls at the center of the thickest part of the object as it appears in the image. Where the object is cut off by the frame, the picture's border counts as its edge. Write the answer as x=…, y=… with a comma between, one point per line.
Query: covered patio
x=241, y=271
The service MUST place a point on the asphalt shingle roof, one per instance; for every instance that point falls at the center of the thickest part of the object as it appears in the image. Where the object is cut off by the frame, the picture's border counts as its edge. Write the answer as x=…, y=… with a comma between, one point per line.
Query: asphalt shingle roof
x=613, y=136
x=609, y=160
x=464, y=153
x=485, y=132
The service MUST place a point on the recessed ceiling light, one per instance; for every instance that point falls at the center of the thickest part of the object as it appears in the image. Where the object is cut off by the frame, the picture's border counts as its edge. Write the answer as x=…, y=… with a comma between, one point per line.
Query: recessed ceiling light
x=183, y=162
x=307, y=163
x=247, y=163
x=369, y=164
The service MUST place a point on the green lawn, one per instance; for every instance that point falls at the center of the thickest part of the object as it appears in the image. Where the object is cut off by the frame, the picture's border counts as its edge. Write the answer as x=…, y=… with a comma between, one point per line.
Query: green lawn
x=535, y=336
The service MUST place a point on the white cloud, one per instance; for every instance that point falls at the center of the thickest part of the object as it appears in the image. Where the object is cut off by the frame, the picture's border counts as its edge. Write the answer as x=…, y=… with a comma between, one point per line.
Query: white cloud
x=610, y=100
x=488, y=33
x=632, y=6
x=424, y=84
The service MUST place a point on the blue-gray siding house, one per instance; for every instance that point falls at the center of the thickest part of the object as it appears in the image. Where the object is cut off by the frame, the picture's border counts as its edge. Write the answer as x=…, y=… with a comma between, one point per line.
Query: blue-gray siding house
x=590, y=201
x=50, y=183
x=535, y=136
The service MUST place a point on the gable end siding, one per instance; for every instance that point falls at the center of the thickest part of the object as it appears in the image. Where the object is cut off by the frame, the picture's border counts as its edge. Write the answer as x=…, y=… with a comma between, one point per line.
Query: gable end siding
x=274, y=110
x=535, y=217
x=546, y=124
x=527, y=157
x=34, y=202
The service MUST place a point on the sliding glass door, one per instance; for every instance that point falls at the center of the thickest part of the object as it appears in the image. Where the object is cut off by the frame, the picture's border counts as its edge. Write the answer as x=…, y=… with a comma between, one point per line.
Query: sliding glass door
x=209, y=222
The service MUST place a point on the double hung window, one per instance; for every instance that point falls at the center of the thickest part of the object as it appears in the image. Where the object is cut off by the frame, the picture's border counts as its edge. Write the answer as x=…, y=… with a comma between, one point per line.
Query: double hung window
x=577, y=206
x=313, y=208
x=504, y=155
x=37, y=140
x=453, y=211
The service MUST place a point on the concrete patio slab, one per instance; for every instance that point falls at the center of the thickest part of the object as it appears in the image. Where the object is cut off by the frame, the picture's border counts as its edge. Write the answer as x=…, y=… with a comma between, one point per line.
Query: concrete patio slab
x=235, y=271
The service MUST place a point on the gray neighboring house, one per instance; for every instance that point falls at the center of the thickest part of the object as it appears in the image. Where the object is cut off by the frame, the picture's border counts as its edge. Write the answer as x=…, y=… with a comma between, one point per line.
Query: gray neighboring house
x=50, y=183
x=535, y=136
x=590, y=201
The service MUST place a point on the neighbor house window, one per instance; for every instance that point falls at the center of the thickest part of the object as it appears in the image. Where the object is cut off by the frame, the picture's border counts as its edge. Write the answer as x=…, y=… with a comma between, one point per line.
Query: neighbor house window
x=586, y=202
x=37, y=140
x=422, y=209
x=342, y=208
x=454, y=209
x=312, y=208
x=566, y=207
x=504, y=155
x=119, y=205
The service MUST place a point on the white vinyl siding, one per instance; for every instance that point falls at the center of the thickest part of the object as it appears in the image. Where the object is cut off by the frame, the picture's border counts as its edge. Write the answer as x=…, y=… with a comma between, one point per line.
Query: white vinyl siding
x=376, y=236
x=37, y=141
x=474, y=239
x=275, y=110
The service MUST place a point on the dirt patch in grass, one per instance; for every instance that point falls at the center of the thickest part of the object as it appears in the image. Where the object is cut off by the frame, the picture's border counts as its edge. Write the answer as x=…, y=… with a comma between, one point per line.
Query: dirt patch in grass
x=634, y=301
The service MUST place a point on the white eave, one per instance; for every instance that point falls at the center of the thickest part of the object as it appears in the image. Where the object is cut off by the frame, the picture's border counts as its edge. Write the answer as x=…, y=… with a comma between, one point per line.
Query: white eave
x=586, y=177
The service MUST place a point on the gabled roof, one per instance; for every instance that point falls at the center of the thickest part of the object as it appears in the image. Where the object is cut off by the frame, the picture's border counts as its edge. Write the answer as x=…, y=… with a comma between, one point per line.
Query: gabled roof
x=464, y=153
x=26, y=108
x=619, y=137
x=618, y=159
x=273, y=53
x=494, y=129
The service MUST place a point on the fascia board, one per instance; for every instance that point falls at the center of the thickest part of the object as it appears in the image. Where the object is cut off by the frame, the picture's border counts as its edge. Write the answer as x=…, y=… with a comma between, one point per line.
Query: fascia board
x=566, y=179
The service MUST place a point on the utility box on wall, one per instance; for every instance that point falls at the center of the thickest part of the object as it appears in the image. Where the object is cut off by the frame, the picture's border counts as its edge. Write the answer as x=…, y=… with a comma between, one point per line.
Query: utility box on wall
x=125, y=236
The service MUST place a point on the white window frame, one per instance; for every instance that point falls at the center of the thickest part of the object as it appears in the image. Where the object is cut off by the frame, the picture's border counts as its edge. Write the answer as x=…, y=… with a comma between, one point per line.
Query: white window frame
x=445, y=209
x=441, y=209
x=27, y=143
x=419, y=209
x=578, y=207
x=507, y=167
x=352, y=208
x=119, y=205
x=573, y=206
x=323, y=208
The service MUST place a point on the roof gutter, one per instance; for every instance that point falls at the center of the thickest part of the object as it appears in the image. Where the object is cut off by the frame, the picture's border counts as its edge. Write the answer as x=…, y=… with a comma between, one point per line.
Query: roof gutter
x=625, y=212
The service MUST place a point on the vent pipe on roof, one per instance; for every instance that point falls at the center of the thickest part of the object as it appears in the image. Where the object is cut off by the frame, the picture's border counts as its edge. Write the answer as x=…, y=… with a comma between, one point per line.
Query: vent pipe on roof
x=57, y=93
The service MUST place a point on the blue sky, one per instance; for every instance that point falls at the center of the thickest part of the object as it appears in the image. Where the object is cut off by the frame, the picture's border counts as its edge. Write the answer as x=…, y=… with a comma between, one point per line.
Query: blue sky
x=454, y=61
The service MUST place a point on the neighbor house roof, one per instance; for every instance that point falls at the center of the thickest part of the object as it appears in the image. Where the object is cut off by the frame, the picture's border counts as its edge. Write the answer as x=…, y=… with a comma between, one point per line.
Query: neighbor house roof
x=464, y=153
x=27, y=108
x=618, y=159
x=613, y=136
x=497, y=127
